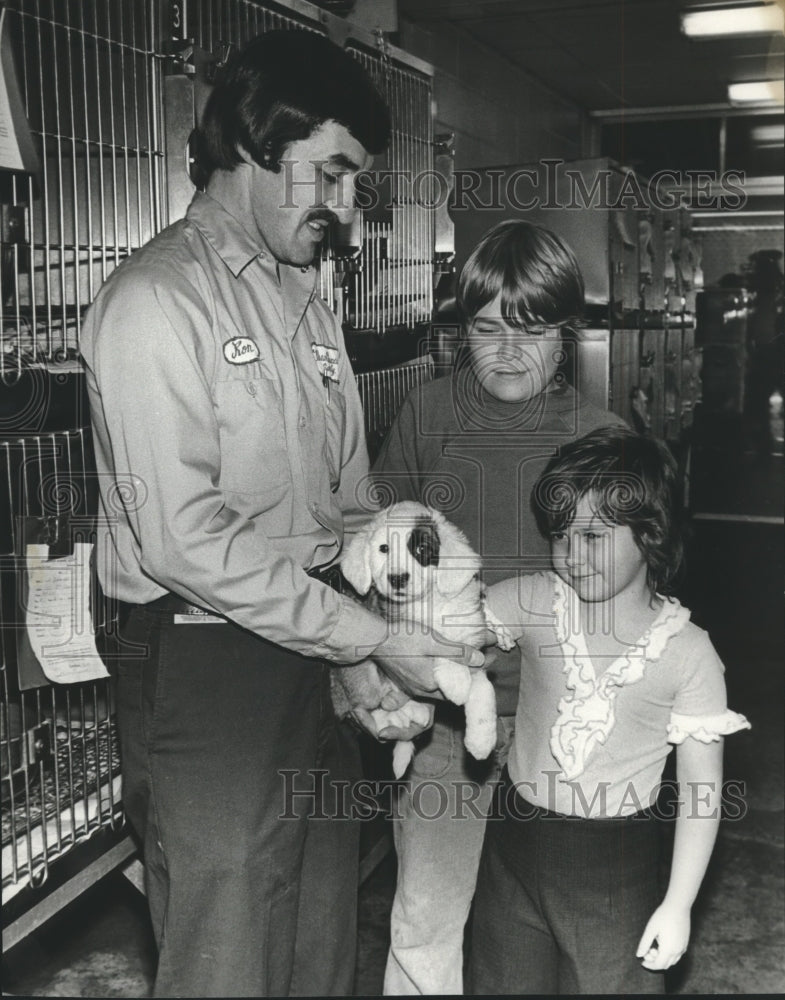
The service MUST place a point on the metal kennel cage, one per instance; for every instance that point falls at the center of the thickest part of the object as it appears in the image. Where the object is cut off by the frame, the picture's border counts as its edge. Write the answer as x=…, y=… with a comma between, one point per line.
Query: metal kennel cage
x=59, y=754
x=110, y=91
x=382, y=393
x=90, y=81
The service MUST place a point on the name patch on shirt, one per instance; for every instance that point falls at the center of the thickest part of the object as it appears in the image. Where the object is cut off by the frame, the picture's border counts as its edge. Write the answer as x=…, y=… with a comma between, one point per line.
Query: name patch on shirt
x=326, y=361
x=241, y=351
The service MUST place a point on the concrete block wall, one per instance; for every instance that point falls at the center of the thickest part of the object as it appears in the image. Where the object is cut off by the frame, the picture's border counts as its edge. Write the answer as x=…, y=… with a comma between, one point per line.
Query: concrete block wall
x=499, y=114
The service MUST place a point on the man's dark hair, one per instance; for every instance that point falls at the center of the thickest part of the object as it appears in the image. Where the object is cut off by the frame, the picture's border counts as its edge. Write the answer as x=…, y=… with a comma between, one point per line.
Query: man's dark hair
x=279, y=89
x=632, y=480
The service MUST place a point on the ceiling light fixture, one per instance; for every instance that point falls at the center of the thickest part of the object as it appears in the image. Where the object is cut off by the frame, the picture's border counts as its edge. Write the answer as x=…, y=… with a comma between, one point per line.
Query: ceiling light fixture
x=741, y=19
x=756, y=92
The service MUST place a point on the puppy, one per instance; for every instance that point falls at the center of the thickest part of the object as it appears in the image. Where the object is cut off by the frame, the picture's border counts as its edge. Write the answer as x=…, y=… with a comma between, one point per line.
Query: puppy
x=416, y=567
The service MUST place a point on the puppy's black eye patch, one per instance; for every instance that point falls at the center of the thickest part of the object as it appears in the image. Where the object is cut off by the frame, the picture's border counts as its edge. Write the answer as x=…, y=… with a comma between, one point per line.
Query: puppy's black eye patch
x=423, y=544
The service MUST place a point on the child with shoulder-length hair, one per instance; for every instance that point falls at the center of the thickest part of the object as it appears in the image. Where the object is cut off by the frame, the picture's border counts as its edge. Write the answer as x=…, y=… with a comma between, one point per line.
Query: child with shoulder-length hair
x=613, y=674
x=470, y=444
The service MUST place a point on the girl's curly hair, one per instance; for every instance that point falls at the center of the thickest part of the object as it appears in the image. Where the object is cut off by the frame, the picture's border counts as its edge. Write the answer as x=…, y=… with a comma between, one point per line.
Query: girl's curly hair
x=632, y=480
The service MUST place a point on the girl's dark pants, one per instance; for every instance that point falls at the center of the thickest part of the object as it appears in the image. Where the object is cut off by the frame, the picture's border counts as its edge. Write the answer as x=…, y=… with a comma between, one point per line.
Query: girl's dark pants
x=250, y=892
x=562, y=902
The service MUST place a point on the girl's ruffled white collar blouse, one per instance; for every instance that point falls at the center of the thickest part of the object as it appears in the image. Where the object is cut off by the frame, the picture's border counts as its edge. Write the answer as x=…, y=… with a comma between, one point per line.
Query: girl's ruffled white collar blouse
x=586, y=713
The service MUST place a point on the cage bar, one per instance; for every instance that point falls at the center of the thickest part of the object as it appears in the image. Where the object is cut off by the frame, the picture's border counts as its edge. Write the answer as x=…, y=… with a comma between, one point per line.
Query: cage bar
x=382, y=392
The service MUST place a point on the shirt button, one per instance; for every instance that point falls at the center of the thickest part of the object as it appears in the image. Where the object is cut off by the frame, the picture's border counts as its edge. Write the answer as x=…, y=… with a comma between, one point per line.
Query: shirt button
x=251, y=388
x=303, y=421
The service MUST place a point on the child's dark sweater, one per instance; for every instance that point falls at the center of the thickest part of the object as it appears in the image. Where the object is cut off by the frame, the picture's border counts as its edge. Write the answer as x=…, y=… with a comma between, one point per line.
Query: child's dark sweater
x=477, y=459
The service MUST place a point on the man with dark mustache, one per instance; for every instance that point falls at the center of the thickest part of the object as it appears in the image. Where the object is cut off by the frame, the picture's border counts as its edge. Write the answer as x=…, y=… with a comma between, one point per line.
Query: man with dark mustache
x=226, y=416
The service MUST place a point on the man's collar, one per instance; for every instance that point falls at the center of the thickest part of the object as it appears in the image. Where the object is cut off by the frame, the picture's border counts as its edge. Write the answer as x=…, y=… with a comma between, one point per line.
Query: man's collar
x=229, y=238
x=223, y=232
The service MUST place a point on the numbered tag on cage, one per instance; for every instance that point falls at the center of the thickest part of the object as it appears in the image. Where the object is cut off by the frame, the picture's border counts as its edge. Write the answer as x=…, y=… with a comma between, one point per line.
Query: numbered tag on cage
x=56, y=639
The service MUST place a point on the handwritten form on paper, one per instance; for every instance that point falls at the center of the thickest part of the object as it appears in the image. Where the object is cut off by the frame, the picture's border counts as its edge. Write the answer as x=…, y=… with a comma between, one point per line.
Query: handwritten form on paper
x=58, y=621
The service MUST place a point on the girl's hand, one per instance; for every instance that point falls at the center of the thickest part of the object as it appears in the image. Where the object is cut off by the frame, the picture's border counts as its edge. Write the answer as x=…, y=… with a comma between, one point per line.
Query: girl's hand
x=670, y=926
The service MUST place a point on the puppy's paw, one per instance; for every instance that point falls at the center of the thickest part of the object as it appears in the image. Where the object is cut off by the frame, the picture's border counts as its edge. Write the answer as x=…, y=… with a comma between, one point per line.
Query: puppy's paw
x=454, y=680
x=480, y=742
x=383, y=718
x=403, y=751
x=480, y=737
x=419, y=713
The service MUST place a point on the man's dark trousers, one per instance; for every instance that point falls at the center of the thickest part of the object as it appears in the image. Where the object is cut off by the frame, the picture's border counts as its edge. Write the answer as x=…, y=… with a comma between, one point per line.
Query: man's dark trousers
x=209, y=718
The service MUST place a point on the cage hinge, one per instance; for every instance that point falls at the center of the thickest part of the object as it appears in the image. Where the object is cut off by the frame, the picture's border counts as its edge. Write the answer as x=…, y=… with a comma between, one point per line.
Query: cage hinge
x=383, y=46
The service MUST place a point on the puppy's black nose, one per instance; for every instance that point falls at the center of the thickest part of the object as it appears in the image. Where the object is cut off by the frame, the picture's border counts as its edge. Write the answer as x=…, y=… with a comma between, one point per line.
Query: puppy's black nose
x=398, y=580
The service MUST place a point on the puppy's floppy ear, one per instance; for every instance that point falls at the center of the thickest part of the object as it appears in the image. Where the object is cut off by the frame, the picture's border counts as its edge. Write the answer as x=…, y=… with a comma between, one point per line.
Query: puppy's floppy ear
x=356, y=561
x=458, y=562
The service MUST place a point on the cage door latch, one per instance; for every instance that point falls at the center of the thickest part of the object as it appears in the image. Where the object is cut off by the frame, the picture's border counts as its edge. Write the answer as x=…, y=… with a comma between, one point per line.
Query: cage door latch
x=15, y=228
x=39, y=744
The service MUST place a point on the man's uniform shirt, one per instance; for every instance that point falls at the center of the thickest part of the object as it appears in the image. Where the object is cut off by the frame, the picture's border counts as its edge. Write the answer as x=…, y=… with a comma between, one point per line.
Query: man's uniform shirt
x=229, y=449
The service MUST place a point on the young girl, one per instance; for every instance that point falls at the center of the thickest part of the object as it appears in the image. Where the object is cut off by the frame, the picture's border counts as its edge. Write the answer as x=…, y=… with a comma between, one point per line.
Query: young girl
x=613, y=672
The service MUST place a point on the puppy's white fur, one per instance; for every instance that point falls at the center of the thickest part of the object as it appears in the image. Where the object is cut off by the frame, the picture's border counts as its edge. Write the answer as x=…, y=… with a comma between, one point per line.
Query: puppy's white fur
x=446, y=595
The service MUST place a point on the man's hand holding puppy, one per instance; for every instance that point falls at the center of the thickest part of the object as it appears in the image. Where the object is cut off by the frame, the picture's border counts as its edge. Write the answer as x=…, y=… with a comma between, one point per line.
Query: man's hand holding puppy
x=365, y=719
x=408, y=661
x=408, y=658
